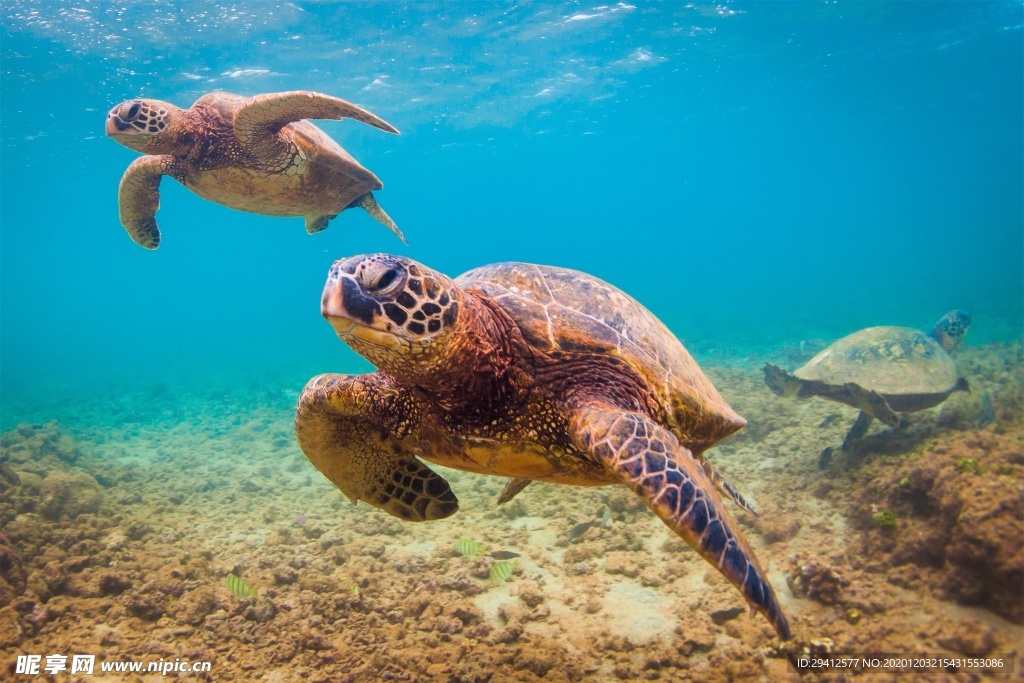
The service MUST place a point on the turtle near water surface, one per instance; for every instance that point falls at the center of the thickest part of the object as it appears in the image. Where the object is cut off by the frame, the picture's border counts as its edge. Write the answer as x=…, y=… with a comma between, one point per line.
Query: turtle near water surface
x=881, y=371
x=255, y=154
x=530, y=372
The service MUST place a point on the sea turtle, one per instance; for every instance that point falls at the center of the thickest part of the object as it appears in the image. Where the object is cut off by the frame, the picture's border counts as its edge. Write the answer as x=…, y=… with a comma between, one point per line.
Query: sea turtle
x=882, y=371
x=255, y=154
x=522, y=371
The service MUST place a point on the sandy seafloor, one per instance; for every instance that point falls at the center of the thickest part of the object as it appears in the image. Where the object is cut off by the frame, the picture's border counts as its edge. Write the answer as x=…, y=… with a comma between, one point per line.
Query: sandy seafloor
x=139, y=500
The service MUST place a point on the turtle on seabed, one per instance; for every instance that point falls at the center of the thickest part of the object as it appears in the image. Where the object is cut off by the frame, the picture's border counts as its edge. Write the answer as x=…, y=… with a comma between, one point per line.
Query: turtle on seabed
x=523, y=371
x=254, y=154
x=881, y=371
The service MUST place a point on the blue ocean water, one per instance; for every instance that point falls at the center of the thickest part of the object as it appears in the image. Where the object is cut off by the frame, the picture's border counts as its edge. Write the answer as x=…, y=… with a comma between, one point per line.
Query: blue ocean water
x=757, y=174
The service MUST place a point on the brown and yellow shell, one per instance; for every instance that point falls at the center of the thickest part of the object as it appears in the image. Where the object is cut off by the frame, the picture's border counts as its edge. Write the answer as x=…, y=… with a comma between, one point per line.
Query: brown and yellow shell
x=318, y=177
x=563, y=310
x=890, y=360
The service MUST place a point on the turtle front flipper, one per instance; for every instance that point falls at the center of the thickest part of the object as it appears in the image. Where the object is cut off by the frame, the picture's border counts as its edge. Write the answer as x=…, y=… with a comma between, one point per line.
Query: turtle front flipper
x=338, y=431
x=871, y=403
x=264, y=115
x=648, y=458
x=138, y=198
x=781, y=383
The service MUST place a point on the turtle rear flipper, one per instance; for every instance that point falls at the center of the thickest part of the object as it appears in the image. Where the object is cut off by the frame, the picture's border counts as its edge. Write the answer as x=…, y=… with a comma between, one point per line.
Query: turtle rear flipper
x=728, y=489
x=315, y=224
x=378, y=214
x=512, y=488
x=648, y=458
x=364, y=461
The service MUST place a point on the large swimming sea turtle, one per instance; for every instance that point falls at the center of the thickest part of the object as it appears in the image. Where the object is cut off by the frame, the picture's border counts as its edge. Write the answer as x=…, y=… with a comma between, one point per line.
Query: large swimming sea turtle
x=523, y=371
x=255, y=154
x=881, y=371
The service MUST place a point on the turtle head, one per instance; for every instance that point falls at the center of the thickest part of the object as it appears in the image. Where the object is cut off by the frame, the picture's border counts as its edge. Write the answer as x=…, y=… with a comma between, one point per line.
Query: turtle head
x=144, y=125
x=952, y=329
x=393, y=311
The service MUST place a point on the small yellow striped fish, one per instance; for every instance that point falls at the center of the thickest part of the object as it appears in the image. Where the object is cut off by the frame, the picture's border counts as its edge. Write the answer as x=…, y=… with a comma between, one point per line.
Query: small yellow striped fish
x=238, y=587
x=501, y=571
x=468, y=548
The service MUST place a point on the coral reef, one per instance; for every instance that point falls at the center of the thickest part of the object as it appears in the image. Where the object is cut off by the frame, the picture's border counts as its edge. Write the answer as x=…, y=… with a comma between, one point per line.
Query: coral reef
x=961, y=518
x=130, y=513
x=69, y=494
x=811, y=579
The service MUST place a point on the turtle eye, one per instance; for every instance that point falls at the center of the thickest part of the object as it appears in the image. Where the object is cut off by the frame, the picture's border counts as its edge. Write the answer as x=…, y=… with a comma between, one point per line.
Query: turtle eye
x=387, y=278
x=134, y=111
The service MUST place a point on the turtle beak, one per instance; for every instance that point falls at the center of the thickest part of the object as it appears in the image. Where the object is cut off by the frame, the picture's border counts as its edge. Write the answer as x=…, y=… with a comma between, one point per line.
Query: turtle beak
x=352, y=313
x=332, y=308
x=346, y=306
x=342, y=326
x=114, y=125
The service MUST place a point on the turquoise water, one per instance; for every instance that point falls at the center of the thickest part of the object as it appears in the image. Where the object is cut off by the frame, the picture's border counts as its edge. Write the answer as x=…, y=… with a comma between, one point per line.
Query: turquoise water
x=757, y=174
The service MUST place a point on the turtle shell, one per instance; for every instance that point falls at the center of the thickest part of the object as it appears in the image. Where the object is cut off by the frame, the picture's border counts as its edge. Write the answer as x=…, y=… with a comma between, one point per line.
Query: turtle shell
x=308, y=137
x=893, y=361
x=324, y=180
x=562, y=310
